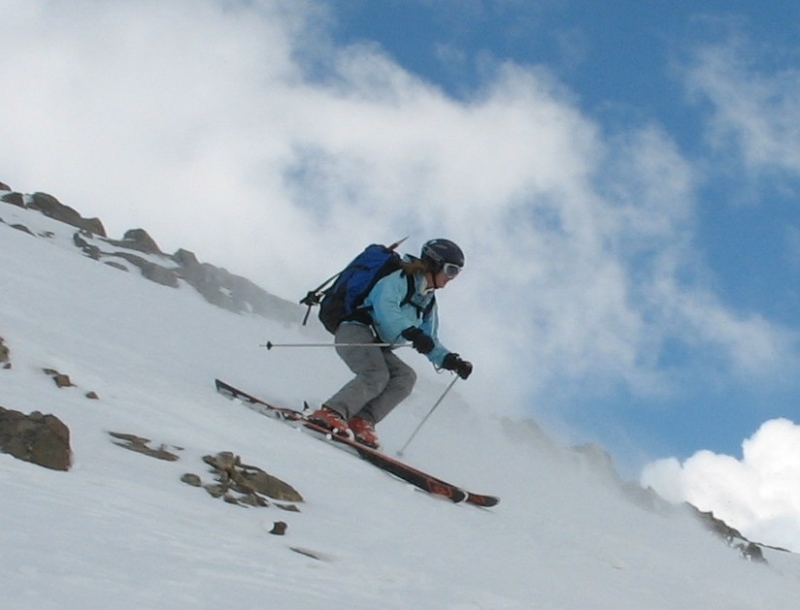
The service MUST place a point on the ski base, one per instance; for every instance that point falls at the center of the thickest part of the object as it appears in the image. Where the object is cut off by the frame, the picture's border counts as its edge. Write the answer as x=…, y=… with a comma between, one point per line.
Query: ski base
x=401, y=470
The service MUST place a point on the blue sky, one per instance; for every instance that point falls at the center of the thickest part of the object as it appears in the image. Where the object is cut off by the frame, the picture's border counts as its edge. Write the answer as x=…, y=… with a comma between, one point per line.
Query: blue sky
x=622, y=176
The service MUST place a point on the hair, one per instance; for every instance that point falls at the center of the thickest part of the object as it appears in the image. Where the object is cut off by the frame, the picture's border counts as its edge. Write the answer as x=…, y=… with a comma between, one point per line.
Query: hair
x=416, y=265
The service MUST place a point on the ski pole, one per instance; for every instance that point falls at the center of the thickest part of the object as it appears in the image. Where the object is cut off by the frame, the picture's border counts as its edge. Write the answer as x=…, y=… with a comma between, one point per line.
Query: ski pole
x=424, y=419
x=270, y=345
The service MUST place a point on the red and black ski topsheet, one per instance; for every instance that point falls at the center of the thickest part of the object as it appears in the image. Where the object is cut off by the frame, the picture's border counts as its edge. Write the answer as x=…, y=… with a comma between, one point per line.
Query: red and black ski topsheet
x=401, y=470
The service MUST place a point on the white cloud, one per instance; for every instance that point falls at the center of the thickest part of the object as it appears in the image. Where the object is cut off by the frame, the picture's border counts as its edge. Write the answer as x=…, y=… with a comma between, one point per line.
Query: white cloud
x=240, y=131
x=758, y=494
x=755, y=109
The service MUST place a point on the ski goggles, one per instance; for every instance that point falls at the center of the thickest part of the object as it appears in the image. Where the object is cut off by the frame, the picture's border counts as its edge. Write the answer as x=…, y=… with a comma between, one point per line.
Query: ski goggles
x=451, y=270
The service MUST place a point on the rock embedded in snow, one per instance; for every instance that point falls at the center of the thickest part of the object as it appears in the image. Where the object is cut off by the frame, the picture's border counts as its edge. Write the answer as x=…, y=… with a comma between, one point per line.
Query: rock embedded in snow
x=250, y=482
x=16, y=199
x=53, y=208
x=139, y=445
x=36, y=438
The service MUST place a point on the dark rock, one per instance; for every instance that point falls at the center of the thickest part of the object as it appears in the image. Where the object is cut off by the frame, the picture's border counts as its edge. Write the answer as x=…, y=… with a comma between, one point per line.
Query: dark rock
x=251, y=482
x=139, y=240
x=88, y=249
x=36, y=438
x=61, y=380
x=191, y=479
x=22, y=228
x=16, y=199
x=139, y=445
x=733, y=537
x=52, y=207
x=116, y=265
x=248, y=499
x=279, y=528
x=186, y=259
x=215, y=489
x=5, y=353
x=752, y=552
x=4, y=187
x=268, y=485
x=309, y=553
x=718, y=526
x=151, y=271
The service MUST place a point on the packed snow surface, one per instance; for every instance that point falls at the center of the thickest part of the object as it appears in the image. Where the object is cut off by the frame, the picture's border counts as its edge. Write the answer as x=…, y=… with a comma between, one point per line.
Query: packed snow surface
x=120, y=530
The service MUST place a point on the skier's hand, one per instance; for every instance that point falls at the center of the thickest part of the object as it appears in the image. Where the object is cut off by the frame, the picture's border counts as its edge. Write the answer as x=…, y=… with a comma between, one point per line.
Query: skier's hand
x=453, y=362
x=421, y=342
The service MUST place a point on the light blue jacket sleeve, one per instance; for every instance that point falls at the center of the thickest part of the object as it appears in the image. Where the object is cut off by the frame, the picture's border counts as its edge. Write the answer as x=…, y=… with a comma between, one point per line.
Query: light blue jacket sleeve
x=391, y=316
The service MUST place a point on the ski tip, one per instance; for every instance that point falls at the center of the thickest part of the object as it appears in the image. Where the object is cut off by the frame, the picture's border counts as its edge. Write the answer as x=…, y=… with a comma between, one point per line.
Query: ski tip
x=484, y=501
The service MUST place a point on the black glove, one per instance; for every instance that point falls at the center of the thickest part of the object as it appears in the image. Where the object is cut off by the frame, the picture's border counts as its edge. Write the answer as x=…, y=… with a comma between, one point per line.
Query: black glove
x=421, y=342
x=453, y=362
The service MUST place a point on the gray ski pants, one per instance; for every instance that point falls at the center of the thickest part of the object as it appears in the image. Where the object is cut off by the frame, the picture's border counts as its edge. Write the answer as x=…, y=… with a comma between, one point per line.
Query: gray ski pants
x=382, y=380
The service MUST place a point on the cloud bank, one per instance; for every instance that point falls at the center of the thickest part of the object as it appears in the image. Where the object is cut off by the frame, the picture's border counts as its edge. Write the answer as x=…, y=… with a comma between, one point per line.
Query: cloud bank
x=759, y=493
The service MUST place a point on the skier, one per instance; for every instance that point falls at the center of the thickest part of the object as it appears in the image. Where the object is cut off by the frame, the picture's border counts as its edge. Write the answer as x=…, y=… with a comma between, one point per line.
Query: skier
x=390, y=314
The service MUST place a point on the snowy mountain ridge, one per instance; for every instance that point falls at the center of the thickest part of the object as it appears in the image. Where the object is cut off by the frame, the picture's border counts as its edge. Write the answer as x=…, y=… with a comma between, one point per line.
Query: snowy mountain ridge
x=121, y=529
x=138, y=250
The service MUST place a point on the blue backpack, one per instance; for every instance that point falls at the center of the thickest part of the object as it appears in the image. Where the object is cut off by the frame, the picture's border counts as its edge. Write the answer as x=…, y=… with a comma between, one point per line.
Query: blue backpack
x=351, y=286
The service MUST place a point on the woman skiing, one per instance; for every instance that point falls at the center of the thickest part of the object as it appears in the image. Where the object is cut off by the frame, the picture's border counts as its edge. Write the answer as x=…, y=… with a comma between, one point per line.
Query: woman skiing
x=401, y=307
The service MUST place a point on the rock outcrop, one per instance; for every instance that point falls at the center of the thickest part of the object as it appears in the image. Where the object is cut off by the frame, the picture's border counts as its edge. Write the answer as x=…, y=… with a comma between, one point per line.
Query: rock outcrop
x=36, y=438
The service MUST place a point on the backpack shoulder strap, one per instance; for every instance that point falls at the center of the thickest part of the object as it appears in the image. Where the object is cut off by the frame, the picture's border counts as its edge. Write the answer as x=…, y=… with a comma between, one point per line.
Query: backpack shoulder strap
x=412, y=288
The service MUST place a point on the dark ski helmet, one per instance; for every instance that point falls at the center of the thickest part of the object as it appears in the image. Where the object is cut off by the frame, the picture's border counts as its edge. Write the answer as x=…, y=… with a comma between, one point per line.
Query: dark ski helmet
x=441, y=252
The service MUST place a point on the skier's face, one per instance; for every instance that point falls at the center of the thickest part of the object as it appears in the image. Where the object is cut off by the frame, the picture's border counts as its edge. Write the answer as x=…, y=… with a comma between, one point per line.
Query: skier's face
x=451, y=270
x=448, y=272
x=441, y=279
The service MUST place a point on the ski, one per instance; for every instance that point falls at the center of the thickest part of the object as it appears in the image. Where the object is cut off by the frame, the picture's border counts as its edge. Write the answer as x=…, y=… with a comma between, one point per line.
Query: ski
x=401, y=470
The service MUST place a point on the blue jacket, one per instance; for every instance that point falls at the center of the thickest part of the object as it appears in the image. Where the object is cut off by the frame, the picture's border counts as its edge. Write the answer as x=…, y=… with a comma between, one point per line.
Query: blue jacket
x=391, y=316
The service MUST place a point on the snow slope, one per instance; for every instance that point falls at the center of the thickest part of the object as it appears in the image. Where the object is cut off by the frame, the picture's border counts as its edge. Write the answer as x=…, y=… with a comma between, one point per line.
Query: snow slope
x=121, y=531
